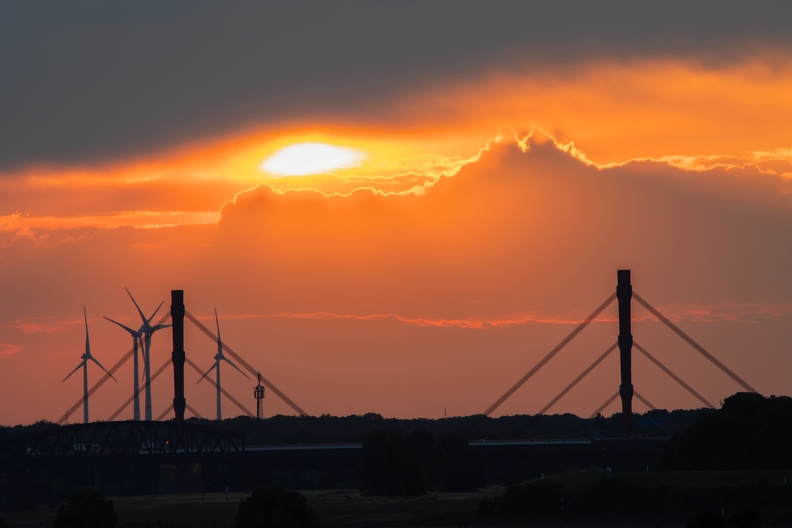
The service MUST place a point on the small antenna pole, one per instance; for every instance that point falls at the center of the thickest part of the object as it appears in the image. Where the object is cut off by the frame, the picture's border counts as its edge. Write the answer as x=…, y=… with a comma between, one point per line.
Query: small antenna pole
x=258, y=393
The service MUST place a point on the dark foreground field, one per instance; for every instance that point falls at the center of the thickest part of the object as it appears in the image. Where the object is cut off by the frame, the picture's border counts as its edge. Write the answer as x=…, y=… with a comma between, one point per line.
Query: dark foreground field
x=336, y=508
x=346, y=508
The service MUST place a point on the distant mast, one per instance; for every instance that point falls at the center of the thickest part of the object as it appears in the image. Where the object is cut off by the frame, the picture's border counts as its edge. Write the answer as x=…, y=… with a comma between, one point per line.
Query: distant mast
x=258, y=393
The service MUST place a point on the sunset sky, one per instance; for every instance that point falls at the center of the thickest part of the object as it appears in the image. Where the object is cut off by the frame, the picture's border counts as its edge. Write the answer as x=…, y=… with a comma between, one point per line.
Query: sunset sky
x=395, y=207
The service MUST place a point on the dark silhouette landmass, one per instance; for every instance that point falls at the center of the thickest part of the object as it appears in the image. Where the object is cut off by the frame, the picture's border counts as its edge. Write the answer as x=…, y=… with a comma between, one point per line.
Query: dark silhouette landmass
x=280, y=429
x=749, y=431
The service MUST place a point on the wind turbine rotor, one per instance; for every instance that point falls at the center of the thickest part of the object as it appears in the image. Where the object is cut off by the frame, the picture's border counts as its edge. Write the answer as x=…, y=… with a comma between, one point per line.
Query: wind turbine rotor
x=134, y=333
x=101, y=367
x=136, y=345
x=75, y=370
x=230, y=363
x=216, y=365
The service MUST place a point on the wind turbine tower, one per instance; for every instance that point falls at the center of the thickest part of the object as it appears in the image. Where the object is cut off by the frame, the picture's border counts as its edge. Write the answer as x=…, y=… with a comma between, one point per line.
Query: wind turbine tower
x=84, y=364
x=146, y=330
x=218, y=358
x=136, y=383
x=142, y=336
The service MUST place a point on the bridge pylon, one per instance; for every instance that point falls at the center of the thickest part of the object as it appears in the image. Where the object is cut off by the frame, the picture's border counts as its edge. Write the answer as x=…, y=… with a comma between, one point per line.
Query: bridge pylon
x=178, y=357
x=624, y=297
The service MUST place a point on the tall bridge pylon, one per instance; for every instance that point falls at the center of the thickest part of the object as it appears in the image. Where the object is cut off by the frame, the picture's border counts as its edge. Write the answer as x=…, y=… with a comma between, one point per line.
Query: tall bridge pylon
x=625, y=343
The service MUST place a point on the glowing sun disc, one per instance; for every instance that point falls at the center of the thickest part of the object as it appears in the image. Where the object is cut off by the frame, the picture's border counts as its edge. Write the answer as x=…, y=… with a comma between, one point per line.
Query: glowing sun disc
x=302, y=159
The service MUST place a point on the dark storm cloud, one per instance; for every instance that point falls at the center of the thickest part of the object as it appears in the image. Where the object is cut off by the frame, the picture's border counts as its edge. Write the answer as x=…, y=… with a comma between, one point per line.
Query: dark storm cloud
x=88, y=81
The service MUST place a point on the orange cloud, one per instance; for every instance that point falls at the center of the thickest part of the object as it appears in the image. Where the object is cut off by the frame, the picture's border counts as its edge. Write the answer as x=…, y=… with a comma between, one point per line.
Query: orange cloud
x=471, y=323
x=671, y=111
x=623, y=111
x=482, y=271
x=44, y=324
x=7, y=349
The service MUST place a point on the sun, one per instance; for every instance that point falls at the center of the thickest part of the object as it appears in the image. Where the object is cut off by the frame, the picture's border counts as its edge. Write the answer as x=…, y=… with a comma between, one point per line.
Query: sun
x=301, y=159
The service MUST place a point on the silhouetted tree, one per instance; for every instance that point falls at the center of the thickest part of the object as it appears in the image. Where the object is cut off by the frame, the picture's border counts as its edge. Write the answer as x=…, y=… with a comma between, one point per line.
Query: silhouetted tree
x=86, y=509
x=276, y=508
x=749, y=431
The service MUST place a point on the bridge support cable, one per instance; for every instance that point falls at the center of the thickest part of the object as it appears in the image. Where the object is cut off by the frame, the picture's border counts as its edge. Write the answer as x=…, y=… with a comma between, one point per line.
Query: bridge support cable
x=222, y=390
x=604, y=405
x=247, y=366
x=673, y=376
x=550, y=355
x=579, y=378
x=613, y=399
x=104, y=378
x=192, y=410
x=189, y=407
x=170, y=408
x=96, y=386
x=131, y=398
x=644, y=400
x=164, y=413
x=692, y=343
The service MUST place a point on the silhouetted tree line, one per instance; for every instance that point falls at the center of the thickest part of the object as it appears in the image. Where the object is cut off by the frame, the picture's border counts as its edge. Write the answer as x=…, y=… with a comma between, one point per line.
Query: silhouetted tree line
x=749, y=431
x=354, y=428
x=396, y=463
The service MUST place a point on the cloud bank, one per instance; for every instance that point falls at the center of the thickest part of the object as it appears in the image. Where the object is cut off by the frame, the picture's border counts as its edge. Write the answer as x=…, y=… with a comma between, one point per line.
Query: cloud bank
x=95, y=82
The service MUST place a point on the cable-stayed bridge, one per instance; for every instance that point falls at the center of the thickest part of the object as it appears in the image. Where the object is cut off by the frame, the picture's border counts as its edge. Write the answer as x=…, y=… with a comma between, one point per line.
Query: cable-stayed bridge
x=624, y=296
x=151, y=456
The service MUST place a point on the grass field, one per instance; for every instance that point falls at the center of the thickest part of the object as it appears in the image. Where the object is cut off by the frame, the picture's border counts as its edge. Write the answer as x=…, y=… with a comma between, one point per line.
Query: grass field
x=336, y=508
x=348, y=508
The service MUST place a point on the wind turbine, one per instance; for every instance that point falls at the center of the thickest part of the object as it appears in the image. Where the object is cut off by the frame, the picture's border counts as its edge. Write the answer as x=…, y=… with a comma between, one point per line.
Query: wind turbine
x=218, y=358
x=146, y=330
x=135, y=340
x=84, y=364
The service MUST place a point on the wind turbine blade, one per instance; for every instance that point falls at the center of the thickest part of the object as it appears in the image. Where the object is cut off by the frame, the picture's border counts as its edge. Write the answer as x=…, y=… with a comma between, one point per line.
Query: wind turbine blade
x=133, y=332
x=159, y=327
x=155, y=312
x=143, y=317
x=217, y=321
x=87, y=341
x=229, y=362
x=208, y=371
x=75, y=370
x=101, y=367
